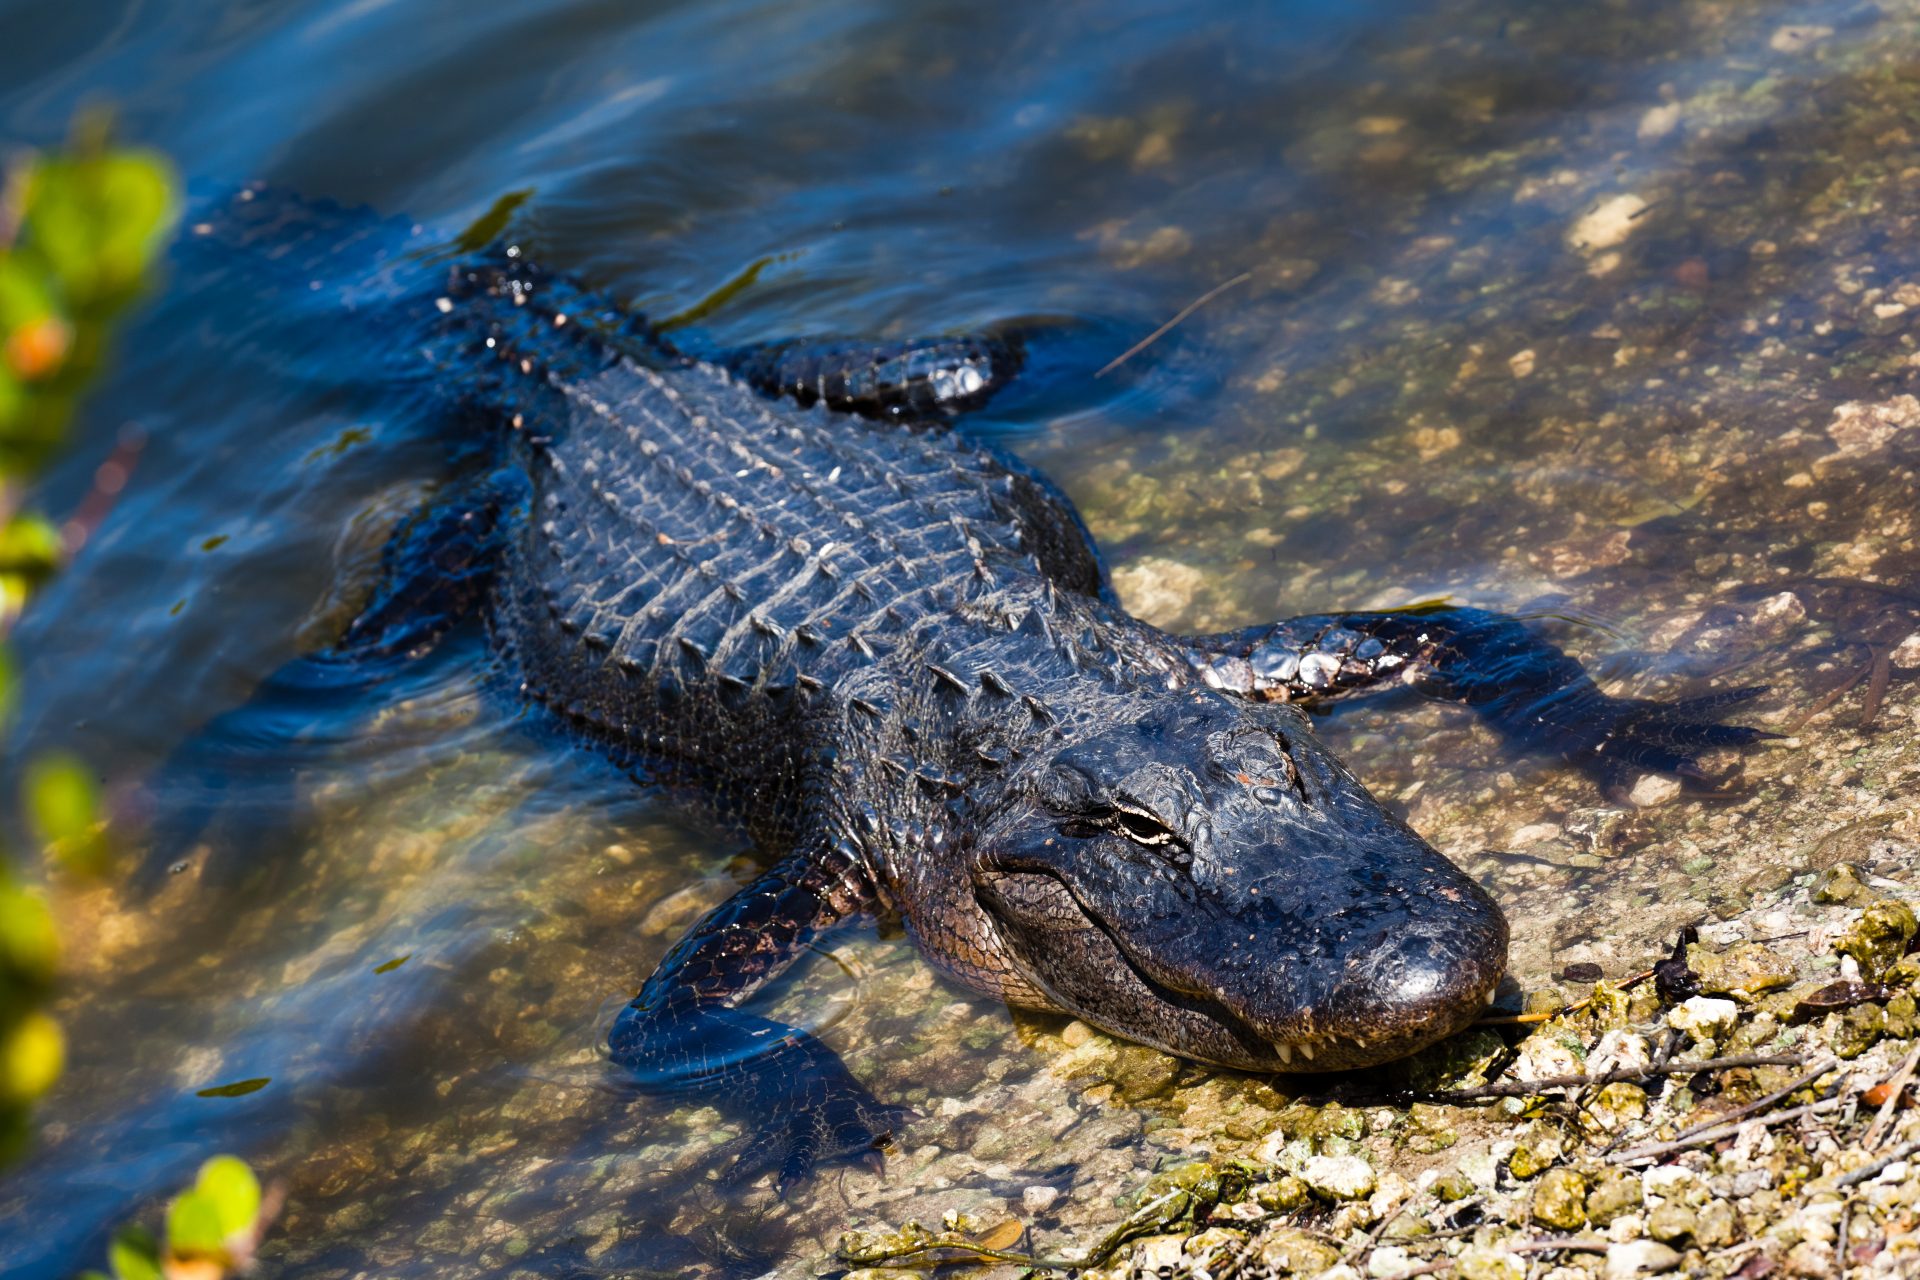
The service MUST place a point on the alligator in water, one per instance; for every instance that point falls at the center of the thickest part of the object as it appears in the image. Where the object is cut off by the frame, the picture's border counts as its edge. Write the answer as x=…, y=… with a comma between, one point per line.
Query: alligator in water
x=893, y=654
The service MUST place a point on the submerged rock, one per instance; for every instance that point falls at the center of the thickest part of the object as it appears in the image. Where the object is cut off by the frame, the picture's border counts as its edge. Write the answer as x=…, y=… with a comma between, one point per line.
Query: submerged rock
x=1879, y=938
x=1559, y=1200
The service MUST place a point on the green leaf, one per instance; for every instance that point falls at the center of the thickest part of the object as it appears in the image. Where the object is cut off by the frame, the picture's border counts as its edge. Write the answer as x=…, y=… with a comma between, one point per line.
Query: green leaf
x=29, y=944
x=238, y=1089
x=134, y=192
x=133, y=1255
x=24, y=296
x=229, y=1186
x=63, y=799
x=391, y=965
x=193, y=1225
x=29, y=545
x=32, y=1052
x=493, y=221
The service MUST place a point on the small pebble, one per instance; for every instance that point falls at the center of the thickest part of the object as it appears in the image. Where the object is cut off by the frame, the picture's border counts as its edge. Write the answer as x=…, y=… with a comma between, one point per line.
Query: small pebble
x=1703, y=1017
x=1906, y=654
x=1640, y=1258
x=1339, y=1177
x=1654, y=789
x=1037, y=1200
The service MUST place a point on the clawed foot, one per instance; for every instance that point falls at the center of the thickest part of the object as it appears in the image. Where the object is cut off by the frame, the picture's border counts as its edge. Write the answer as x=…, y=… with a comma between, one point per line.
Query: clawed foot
x=839, y=1124
x=1624, y=736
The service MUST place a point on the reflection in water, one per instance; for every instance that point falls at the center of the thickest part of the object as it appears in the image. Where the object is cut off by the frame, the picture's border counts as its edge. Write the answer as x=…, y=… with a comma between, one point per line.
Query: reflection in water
x=1547, y=310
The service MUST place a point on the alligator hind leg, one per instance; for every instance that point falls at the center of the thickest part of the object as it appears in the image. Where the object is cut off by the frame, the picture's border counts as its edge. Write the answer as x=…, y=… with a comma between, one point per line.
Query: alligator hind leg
x=1533, y=694
x=923, y=379
x=437, y=567
x=685, y=1031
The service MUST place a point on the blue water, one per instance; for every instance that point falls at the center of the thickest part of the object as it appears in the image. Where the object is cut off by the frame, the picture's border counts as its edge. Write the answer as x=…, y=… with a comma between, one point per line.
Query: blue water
x=901, y=168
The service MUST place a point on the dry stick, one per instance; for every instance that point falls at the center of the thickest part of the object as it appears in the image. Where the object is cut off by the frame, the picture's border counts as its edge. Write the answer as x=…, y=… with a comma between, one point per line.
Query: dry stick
x=1526, y=1088
x=1830, y=697
x=1866, y=1171
x=1877, y=685
x=1424, y=1269
x=1720, y=1131
x=1527, y=1019
x=1366, y=1247
x=1182, y=314
x=1561, y=1244
x=1896, y=1085
x=1814, y=1072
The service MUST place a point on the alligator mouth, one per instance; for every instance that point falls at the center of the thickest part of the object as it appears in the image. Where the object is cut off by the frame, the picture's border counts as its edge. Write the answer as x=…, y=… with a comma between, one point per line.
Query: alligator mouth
x=1188, y=1024
x=1087, y=967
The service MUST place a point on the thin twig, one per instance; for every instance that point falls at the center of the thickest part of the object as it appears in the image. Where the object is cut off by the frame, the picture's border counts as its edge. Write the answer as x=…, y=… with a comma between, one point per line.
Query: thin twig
x=1526, y=1088
x=1182, y=314
x=1832, y=696
x=1896, y=1085
x=1814, y=1072
x=1866, y=1171
x=1877, y=684
x=1720, y=1131
x=1424, y=1269
x=1366, y=1246
x=1561, y=1244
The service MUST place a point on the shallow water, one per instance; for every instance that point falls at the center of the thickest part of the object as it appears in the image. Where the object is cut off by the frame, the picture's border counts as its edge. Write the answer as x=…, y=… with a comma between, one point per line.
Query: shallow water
x=1550, y=309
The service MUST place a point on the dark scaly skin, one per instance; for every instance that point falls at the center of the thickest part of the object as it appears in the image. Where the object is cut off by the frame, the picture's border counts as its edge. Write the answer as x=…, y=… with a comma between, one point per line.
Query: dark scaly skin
x=894, y=656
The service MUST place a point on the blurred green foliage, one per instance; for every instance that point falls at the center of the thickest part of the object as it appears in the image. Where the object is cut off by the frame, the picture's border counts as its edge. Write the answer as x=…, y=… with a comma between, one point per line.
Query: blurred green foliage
x=212, y=1228
x=78, y=232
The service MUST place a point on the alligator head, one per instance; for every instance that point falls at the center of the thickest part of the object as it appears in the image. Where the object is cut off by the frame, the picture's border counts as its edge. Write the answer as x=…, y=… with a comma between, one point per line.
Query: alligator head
x=1205, y=877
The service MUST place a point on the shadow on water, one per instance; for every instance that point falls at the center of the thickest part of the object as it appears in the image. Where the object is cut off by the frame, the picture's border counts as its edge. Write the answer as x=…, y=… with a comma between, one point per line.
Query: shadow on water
x=414, y=921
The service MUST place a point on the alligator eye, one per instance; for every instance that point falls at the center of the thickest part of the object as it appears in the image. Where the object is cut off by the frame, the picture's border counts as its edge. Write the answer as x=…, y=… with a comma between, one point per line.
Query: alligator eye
x=1141, y=828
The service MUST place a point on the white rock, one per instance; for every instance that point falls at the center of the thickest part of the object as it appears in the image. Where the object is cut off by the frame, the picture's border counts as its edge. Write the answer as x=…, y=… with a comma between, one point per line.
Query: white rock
x=1704, y=1017
x=1158, y=1255
x=1389, y=1260
x=1639, y=1258
x=1860, y=427
x=1778, y=614
x=1157, y=589
x=1797, y=38
x=1659, y=121
x=1542, y=1057
x=1522, y=362
x=1607, y=224
x=1341, y=1177
x=1619, y=1049
x=1906, y=654
x=1654, y=789
x=1039, y=1199
x=1672, y=1182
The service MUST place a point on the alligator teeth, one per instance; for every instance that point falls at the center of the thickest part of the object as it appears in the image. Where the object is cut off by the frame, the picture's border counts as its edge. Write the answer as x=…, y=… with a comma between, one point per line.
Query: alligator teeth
x=1306, y=1050
x=1285, y=1051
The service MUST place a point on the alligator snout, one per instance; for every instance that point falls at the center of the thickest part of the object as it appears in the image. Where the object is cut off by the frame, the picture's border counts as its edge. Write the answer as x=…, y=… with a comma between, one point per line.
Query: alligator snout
x=1421, y=973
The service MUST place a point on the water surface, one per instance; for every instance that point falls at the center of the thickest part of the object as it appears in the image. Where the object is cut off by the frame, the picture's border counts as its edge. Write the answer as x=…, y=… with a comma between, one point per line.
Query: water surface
x=1554, y=309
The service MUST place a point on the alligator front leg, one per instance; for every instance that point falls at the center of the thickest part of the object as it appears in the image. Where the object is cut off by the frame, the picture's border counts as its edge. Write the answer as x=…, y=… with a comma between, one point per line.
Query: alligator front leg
x=685, y=1031
x=1535, y=695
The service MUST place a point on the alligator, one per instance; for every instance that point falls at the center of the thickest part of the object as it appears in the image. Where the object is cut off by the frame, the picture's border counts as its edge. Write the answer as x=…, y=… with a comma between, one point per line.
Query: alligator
x=786, y=584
